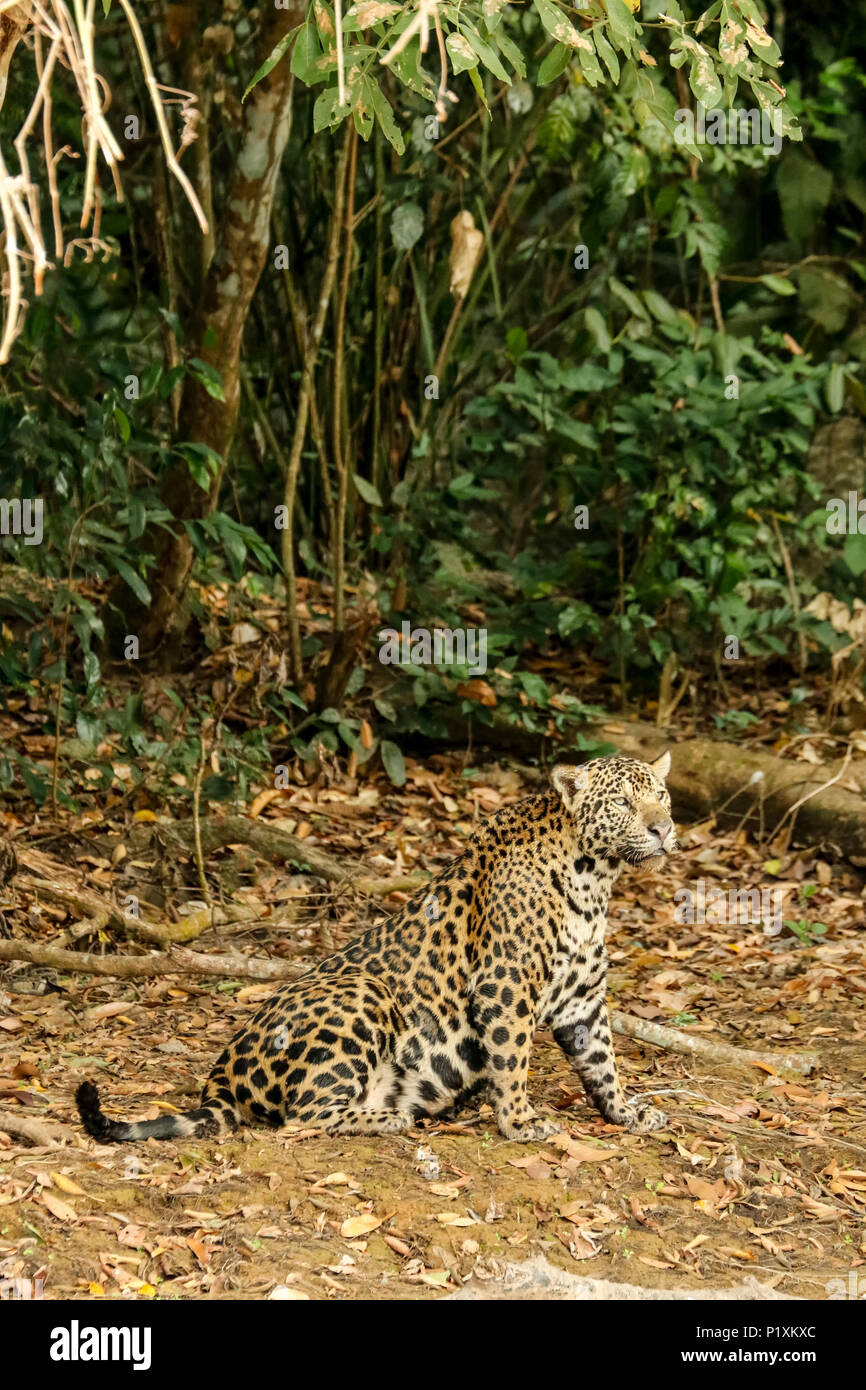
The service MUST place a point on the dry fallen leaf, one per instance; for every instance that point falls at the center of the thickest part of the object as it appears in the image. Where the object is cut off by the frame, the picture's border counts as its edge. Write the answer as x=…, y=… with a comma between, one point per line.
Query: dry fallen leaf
x=583, y=1153
x=62, y=1210
x=360, y=1225
x=466, y=244
x=67, y=1185
x=444, y=1189
x=533, y=1166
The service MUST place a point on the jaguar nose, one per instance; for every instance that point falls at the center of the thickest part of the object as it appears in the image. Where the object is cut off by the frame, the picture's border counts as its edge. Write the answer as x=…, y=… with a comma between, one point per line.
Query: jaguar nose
x=661, y=828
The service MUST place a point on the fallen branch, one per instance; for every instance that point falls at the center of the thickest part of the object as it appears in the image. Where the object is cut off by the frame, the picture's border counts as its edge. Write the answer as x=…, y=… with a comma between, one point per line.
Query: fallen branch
x=179, y=961
x=175, y=961
x=33, y=1131
x=99, y=913
x=51, y=881
x=273, y=843
x=674, y=1041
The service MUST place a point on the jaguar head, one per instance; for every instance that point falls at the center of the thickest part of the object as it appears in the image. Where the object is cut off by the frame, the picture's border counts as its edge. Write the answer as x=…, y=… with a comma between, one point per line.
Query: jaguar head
x=620, y=808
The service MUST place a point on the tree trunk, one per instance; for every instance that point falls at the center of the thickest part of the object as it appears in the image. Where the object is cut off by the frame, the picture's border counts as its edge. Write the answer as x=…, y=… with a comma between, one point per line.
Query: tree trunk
x=241, y=247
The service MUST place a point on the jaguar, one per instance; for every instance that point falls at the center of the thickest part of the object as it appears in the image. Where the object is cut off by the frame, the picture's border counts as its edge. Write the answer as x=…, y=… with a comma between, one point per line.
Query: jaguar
x=442, y=999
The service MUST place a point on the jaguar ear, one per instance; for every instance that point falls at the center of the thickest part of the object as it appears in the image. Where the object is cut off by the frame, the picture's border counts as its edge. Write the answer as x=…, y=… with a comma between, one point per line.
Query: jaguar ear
x=662, y=766
x=571, y=783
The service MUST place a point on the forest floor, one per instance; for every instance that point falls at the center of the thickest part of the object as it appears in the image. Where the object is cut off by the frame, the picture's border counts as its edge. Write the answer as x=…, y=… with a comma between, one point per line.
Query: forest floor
x=759, y=1172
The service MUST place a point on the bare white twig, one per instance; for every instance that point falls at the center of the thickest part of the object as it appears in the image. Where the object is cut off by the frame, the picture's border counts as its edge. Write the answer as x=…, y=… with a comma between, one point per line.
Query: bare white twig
x=341, y=67
x=164, y=133
x=419, y=23
x=69, y=31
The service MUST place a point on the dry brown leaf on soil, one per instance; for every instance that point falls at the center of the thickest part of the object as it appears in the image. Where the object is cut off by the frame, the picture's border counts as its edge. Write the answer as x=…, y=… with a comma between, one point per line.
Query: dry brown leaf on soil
x=478, y=691
x=533, y=1166
x=360, y=1225
x=579, y=1245
x=443, y=1189
x=398, y=1246
x=742, y=1110
x=822, y=1211
x=712, y=1194
x=67, y=1185
x=333, y=1180
x=137, y=1238
x=62, y=1210
x=582, y=1153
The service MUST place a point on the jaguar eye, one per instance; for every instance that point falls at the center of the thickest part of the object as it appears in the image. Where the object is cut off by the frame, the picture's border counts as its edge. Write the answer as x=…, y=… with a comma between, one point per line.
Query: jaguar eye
x=621, y=801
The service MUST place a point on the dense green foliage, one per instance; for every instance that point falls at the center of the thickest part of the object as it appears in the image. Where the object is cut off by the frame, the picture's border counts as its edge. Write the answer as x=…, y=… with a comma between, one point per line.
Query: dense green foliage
x=648, y=335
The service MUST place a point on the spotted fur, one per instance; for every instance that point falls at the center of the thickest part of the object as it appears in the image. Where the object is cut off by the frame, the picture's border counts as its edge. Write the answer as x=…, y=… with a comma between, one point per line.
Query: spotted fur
x=442, y=999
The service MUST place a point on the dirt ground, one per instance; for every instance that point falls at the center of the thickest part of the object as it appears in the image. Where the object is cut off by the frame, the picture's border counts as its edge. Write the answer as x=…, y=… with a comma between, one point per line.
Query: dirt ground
x=759, y=1172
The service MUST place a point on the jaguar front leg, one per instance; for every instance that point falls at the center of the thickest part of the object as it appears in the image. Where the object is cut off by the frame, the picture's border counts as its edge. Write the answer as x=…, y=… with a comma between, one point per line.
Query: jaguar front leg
x=504, y=1027
x=585, y=1038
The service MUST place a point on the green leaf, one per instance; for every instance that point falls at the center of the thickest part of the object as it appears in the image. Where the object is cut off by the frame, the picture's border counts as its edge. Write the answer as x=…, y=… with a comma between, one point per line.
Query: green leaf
x=778, y=284
x=461, y=53
x=204, y=463
x=306, y=54
x=590, y=66
x=595, y=324
x=209, y=377
x=407, y=225
x=512, y=52
x=826, y=297
x=534, y=687
x=272, y=59
x=628, y=297
x=217, y=788
x=369, y=493
x=835, y=388
x=855, y=554
x=123, y=424
x=475, y=79
x=137, y=518
x=559, y=27
x=392, y=761
x=385, y=116
x=516, y=343
x=659, y=307
x=35, y=785
x=362, y=111
x=488, y=55
x=135, y=581
x=762, y=44
x=407, y=67
x=703, y=80
x=606, y=54
x=555, y=63
x=621, y=20
x=91, y=668
x=327, y=111
x=150, y=378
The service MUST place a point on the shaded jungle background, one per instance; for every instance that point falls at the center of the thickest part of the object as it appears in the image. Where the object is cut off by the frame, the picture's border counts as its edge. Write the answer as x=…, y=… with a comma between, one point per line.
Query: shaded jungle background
x=431, y=452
